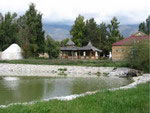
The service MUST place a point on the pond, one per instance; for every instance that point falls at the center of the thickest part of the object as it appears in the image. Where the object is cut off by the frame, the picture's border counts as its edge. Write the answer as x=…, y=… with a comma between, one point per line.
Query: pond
x=26, y=89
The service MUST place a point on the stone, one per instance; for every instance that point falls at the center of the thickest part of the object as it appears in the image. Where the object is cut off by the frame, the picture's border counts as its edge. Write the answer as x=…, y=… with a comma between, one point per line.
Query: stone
x=134, y=73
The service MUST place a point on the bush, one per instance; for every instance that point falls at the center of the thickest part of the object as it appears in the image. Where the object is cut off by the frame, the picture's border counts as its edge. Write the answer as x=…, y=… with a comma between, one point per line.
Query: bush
x=52, y=48
x=139, y=56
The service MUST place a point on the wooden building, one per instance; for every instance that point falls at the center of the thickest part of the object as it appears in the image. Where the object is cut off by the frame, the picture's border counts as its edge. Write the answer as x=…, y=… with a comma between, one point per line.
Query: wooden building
x=122, y=48
x=73, y=52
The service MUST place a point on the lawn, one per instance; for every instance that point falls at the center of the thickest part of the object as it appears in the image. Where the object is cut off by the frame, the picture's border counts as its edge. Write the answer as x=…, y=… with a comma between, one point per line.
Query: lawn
x=135, y=100
x=104, y=63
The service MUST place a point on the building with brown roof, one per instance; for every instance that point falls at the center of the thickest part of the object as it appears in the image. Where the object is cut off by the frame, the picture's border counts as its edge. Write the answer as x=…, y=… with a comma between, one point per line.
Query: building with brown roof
x=122, y=48
x=73, y=52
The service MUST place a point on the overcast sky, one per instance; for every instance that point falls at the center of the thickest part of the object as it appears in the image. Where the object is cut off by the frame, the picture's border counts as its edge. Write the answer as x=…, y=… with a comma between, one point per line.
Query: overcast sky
x=65, y=11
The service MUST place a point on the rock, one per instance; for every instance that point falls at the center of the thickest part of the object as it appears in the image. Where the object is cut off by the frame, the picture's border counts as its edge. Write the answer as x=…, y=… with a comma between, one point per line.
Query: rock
x=125, y=72
x=120, y=72
x=134, y=73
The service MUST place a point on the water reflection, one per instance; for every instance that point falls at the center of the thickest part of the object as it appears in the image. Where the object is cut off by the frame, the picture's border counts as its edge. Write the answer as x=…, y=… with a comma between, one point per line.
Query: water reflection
x=29, y=88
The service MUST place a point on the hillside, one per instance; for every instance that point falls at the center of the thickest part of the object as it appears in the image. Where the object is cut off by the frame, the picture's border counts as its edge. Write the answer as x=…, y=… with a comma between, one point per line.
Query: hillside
x=60, y=32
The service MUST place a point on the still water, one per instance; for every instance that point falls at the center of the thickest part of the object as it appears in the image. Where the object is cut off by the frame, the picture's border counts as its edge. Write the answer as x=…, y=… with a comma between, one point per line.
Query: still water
x=26, y=89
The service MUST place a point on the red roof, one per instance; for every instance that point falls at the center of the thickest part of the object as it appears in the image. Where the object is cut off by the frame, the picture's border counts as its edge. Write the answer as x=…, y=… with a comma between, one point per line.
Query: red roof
x=130, y=40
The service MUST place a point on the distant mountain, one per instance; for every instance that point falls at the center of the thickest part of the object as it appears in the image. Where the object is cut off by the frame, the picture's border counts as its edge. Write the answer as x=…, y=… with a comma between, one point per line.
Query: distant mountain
x=60, y=32
x=127, y=30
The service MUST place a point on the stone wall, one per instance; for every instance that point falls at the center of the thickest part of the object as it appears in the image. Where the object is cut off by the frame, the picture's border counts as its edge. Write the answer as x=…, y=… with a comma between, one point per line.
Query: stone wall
x=120, y=52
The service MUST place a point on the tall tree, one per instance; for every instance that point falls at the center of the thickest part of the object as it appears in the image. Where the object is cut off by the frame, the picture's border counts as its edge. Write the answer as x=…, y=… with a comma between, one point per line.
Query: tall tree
x=113, y=28
x=145, y=26
x=8, y=30
x=92, y=33
x=33, y=21
x=78, y=30
x=104, y=38
x=23, y=36
x=114, y=33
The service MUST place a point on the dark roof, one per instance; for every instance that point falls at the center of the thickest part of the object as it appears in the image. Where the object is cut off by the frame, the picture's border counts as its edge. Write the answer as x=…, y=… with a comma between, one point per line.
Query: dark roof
x=90, y=47
x=70, y=43
x=71, y=48
x=74, y=48
x=130, y=40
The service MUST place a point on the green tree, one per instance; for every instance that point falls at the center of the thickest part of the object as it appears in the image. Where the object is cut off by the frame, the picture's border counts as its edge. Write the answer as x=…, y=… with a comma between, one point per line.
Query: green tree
x=52, y=47
x=8, y=30
x=23, y=37
x=142, y=27
x=104, y=38
x=139, y=56
x=78, y=30
x=92, y=33
x=114, y=33
x=64, y=42
x=145, y=26
x=33, y=20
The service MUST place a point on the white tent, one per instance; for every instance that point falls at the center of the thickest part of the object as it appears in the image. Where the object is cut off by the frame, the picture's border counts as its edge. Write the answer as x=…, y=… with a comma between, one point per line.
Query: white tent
x=13, y=52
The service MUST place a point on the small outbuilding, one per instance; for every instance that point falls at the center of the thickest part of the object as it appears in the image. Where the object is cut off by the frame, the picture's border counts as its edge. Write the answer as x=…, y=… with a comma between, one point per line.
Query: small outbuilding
x=13, y=52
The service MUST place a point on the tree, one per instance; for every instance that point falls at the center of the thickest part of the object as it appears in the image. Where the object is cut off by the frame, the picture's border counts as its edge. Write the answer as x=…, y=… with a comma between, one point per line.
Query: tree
x=145, y=26
x=104, y=38
x=8, y=30
x=78, y=30
x=139, y=56
x=23, y=37
x=33, y=20
x=64, y=42
x=114, y=33
x=52, y=47
x=92, y=33
x=142, y=27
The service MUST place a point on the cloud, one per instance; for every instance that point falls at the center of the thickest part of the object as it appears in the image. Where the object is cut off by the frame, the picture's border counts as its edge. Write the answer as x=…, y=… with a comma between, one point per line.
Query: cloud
x=127, y=11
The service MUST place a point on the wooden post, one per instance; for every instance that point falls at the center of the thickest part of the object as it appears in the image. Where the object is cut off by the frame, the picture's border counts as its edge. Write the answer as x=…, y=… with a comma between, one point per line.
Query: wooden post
x=90, y=54
x=84, y=54
x=72, y=54
x=96, y=54
x=79, y=55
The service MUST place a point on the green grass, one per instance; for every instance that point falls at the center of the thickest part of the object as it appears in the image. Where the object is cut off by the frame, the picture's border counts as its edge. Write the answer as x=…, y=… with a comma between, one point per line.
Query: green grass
x=135, y=100
x=104, y=63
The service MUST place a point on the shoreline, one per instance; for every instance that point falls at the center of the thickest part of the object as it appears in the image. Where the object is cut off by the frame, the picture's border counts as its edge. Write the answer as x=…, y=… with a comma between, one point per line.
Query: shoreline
x=137, y=80
x=63, y=70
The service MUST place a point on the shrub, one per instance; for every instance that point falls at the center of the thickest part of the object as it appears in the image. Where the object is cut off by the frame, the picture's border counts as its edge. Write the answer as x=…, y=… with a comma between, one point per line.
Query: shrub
x=139, y=56
x=52, y=48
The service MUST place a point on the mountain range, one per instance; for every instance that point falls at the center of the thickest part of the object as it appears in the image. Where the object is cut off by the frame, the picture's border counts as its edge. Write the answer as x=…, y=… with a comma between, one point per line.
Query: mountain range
x=60, y=32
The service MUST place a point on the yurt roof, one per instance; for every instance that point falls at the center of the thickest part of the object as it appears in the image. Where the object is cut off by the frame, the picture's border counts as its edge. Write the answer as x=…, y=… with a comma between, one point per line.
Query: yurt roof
x=14, y=48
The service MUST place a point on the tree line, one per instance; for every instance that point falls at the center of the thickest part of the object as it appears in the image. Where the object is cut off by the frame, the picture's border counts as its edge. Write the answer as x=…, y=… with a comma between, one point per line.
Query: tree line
x=27, y=31
x=101, y=35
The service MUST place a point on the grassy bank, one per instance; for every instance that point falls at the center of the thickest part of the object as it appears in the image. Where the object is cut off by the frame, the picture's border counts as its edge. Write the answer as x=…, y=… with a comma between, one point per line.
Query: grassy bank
x=105, y=63
x=135, y=100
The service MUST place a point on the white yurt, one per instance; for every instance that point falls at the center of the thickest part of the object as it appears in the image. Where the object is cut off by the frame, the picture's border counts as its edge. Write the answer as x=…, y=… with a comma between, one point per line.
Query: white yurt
x=13, y=52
